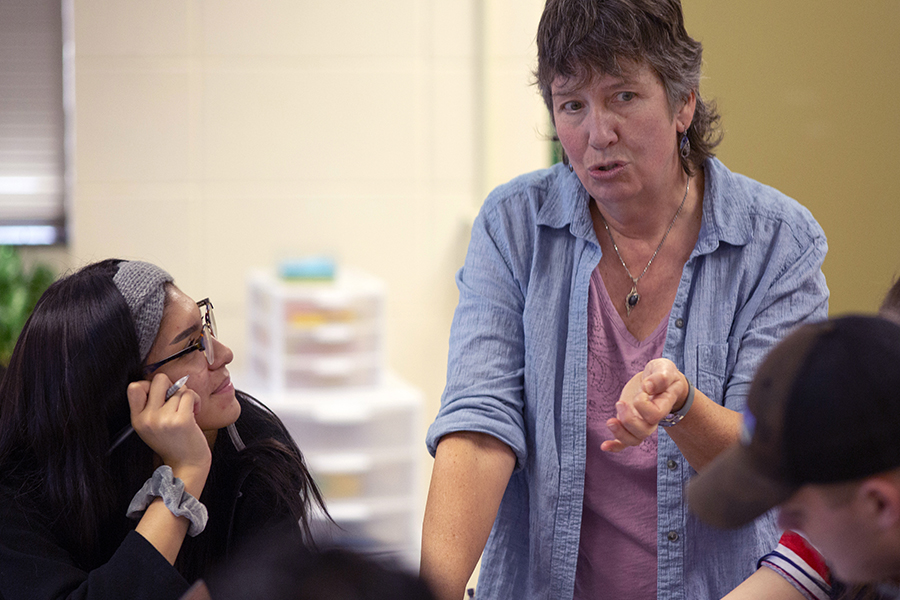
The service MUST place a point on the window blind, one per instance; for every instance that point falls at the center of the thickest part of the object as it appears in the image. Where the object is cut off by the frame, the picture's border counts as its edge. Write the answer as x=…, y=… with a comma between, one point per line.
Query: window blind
x=33, y=188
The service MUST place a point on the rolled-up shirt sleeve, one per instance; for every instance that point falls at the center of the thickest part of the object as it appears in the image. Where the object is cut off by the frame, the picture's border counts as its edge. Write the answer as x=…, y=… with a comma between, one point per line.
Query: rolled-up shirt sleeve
x=486, y=365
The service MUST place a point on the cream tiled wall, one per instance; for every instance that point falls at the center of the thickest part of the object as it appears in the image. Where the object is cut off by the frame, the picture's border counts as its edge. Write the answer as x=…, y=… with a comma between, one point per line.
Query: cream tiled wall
x=214, y=136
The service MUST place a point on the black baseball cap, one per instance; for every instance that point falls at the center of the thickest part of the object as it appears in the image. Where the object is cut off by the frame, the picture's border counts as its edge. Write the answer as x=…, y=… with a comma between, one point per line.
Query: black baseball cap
x=824, y=407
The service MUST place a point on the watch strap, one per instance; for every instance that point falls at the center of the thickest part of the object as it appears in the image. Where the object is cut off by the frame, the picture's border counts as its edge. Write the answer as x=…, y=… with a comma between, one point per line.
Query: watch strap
x=673, y=418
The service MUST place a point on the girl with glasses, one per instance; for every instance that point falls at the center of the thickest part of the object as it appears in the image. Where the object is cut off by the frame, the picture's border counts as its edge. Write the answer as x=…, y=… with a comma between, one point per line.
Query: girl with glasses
x=90, y=509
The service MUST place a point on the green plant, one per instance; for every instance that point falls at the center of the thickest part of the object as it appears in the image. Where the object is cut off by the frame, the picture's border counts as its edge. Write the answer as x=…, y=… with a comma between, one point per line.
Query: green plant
x=19, y=292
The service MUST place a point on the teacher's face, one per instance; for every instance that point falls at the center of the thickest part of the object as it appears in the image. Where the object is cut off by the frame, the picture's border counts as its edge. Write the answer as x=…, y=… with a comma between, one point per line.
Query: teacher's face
x=620, y=134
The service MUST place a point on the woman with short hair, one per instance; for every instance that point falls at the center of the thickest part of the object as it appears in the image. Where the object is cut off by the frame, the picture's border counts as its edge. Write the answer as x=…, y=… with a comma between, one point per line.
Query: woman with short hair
x=637, y=285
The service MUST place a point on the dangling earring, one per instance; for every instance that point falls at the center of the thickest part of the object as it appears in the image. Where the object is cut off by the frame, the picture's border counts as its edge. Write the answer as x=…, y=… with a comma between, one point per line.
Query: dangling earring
x=571, y=168
x=565, y=161
x=684, y=148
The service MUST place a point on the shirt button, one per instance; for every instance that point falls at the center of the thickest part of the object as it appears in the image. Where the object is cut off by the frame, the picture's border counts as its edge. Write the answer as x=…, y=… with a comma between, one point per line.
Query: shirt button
x=671, y=464
x=672, y=536
x=679, y=323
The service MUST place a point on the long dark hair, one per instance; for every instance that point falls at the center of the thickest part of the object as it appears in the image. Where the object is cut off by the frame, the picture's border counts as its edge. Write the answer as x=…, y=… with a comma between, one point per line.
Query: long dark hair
x=280, y=477
x=63, y=400
x=62, y=395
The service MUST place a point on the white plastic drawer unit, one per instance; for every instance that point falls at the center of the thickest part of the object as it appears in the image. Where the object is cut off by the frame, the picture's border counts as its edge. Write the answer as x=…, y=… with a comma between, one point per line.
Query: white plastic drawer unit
x=316, y=334
x=365, y=450
x=388, y=523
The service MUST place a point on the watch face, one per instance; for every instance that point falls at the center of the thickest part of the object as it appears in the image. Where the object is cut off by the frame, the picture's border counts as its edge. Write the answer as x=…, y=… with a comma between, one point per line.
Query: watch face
x=670, y=419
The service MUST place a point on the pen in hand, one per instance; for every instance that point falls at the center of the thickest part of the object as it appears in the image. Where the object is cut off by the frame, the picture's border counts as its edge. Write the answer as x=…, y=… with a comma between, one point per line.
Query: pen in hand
x=176, y=386
x=128, y=430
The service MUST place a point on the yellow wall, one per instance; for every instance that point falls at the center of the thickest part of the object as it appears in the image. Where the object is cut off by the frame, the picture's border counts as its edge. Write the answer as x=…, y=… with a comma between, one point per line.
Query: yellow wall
x=809, y=93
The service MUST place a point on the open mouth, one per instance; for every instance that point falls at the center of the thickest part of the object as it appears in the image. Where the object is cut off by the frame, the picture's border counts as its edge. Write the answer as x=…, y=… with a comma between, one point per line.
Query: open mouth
x=608, y=167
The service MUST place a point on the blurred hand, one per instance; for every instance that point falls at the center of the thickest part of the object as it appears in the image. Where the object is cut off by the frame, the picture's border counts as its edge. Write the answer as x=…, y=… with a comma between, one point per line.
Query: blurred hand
x=645, y=400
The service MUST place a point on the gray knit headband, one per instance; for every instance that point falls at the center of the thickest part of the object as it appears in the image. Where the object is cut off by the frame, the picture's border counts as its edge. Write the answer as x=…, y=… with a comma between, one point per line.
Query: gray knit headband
x=143, y=287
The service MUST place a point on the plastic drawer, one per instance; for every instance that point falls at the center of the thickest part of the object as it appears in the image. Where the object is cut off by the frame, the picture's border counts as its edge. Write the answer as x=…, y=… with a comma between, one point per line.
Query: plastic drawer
x=309, y=335
x=331, y=339
x=320, y=371
x=342, y=428
x=363, y=474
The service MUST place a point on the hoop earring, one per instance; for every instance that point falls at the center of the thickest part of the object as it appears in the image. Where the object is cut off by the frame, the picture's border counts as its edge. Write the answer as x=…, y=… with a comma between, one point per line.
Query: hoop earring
x=684, y=148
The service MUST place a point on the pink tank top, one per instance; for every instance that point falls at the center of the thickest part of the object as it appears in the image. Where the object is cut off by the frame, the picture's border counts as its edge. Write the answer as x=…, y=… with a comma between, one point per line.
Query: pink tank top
x=617, y=551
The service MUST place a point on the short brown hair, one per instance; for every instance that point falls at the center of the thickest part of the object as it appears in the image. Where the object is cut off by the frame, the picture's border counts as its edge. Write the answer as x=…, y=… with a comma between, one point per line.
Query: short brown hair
x=578, y=38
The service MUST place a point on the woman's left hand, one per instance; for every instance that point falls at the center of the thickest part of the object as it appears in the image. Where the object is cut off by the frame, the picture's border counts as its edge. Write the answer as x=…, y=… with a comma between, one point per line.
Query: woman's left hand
x=646, y=399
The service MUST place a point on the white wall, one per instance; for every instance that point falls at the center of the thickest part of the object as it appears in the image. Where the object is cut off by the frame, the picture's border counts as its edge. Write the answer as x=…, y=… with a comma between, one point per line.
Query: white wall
x=214, y=136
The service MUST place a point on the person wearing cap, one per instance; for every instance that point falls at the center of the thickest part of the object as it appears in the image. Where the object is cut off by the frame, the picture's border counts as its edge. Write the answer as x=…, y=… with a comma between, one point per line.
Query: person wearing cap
x=820, y=442
x=115, y=482
x=795, y=569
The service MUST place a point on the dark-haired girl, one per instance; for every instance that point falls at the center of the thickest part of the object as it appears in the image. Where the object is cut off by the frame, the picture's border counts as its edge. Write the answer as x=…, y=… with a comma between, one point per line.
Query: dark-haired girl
x=90, y=508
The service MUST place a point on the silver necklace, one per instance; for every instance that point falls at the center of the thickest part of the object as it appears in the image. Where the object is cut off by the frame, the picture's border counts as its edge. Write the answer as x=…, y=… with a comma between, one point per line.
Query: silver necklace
x=632, y=299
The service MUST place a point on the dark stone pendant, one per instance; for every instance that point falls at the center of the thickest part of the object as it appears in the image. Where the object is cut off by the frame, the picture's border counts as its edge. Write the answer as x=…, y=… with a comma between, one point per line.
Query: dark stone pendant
x=631, y=300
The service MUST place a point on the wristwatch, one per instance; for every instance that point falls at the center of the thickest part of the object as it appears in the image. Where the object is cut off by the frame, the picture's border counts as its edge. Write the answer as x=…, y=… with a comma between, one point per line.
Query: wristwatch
x=673, y=418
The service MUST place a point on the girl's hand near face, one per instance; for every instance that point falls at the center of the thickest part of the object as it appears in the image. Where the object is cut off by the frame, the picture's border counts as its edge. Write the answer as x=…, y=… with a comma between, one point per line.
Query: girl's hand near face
x=170, y=429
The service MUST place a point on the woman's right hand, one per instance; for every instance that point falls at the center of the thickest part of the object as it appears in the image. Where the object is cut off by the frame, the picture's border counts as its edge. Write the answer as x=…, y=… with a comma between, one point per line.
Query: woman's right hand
x=169, y=426
x=647, y=397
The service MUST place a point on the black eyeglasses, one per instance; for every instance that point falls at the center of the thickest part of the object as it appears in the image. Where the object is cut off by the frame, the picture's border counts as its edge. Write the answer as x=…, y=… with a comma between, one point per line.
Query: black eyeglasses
x=208, y=326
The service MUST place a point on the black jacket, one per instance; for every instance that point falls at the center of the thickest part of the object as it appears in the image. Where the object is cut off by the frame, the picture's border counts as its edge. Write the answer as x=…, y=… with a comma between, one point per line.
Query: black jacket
x=35, y=566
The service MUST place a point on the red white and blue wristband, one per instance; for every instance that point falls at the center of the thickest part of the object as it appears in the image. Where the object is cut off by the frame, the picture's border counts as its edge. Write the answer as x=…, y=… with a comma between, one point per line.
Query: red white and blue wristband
x=801, y=565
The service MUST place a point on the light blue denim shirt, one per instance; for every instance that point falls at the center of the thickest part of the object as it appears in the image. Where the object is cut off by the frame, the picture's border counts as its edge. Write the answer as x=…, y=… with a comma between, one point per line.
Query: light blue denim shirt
x=518, y=363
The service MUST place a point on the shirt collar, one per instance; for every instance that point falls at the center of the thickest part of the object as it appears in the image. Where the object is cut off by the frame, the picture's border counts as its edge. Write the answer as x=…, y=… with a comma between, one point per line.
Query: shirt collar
x=566, y=205
x=726, y=207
